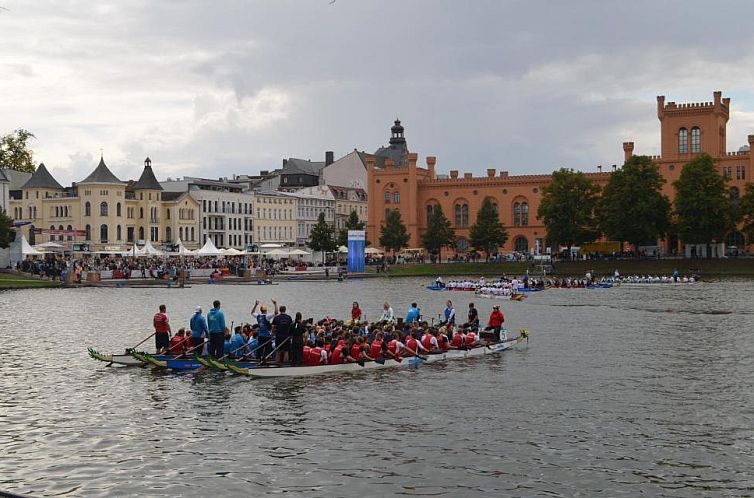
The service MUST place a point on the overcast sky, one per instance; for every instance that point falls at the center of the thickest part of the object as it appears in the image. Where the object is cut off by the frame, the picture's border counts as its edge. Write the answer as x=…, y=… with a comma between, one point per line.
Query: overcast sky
x=213, y=88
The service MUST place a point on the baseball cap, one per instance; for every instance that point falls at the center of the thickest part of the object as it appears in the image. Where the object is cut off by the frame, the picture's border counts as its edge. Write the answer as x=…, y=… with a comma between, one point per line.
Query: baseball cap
x=198, y=309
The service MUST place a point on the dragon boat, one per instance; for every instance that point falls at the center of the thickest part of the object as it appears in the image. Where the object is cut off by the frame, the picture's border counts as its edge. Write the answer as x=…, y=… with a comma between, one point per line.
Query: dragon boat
x=125, y=359
x=511, y=297
x=411, y=361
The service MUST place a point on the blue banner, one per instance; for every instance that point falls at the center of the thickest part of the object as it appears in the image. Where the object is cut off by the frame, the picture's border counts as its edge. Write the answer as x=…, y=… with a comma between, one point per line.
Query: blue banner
x=356, y=245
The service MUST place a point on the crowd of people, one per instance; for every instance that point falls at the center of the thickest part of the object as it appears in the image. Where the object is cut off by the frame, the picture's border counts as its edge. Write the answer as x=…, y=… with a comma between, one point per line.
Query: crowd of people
x=292, y=341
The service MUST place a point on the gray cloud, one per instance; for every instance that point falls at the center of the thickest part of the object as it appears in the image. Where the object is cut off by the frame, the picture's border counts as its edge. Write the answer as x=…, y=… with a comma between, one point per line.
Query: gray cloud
x=216, y=88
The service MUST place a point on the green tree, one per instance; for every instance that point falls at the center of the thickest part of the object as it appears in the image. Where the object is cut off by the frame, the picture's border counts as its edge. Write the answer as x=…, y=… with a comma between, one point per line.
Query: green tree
x=568, y=208
x=439, y=232
x=632, y=207
x=321, y=237
x=702, y=206
x=15, y=152
x=352, y=223
x=746, y=211
x=487, y=234
x=393, y=234
x=7, y=234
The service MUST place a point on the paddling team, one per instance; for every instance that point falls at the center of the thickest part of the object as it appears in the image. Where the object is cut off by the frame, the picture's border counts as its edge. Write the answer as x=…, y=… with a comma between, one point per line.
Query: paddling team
x=287, y=340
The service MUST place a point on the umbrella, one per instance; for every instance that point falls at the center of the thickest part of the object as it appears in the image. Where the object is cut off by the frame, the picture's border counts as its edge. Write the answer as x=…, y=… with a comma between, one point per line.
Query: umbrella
x=299, y=252
x=343, y=249
x=270, y=246
x=49, y=245
x=276, y=252
x=372, y=250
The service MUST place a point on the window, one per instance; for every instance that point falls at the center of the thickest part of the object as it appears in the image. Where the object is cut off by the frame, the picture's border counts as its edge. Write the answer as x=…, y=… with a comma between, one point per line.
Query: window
x=118, y=233
x=141, y=233
x=70, y=229
x=167, y=215
x=462, y=245
x=516, y=214
x=683, y=141
x=103, y=234
x=696, y=140
x=520, y=244
x=192, y=233
x=727, y=172
x=103, y=209
x=87, y=209
x=141, y=213
x=524, y=213
x=396, y=197
x=88, y=234
x=387, y=197
x=740, y=172
x=118, y=212
x=168, y=234
x=130, y=234
x=462, y=215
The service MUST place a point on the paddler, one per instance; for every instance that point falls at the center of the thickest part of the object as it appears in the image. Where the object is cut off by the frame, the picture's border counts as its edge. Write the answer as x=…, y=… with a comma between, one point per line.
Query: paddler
x=199, y=328
x=238, y=342
x=493, y=324
x=178, y=343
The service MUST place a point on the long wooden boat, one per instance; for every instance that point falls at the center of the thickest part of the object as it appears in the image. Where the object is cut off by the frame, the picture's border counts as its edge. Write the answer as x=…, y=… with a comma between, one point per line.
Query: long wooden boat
x=511, y=297
x=276, y=371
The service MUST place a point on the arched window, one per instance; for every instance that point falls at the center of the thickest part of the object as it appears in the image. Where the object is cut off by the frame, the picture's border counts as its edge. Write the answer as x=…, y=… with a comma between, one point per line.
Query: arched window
x=103, y=208
x=430, y=209
x=118, y=233
x=516, y=214
x=180, y=233
x=52, y=236
x=103, y=233
x=88, y=230
x=168, y=234
x=118, y=212
x=141, y=233
x=696, y=140
x=683, y=141
x=396, y=197
x=192, y=233
x=524, y=213
x=70, y=229
x=461, y=214
x=521, y=244
x=87, y=209
x=387, y=197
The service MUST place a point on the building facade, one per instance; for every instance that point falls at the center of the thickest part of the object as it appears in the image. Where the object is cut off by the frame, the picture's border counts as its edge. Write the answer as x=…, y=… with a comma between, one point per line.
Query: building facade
x=275, y=218
x=396, y=182
x=102, y=211
x=310, y=203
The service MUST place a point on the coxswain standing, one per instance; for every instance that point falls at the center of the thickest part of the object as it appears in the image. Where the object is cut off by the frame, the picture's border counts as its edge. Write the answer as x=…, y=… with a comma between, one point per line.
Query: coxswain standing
x=216, y=325
x=449, y=314
x=199, y=328
x=161, y=330
x=265, y=328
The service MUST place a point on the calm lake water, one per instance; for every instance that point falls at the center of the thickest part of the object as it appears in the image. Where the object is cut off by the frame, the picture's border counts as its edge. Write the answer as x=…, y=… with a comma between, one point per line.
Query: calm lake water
x=622, y=392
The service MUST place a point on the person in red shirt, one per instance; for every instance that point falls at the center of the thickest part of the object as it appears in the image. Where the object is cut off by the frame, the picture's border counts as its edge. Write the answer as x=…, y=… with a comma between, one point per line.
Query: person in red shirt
x=495, y=322
x=355, y=313
x=375, y=349
x=179, y=343
x=162, y=331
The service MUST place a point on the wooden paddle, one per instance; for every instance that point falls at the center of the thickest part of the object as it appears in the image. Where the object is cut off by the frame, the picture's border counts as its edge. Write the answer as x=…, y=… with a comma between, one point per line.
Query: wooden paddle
x=417, y=355
x=142, y=342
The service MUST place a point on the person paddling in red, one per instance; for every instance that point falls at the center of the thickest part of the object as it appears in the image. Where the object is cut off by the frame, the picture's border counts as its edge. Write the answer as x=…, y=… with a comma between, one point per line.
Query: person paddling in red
x=494, y=323
x=315, y=355
x=394, y=347
x=179, y=343
x=161, y=324
x=459, y=340
x=429, y=340
x=375, y=349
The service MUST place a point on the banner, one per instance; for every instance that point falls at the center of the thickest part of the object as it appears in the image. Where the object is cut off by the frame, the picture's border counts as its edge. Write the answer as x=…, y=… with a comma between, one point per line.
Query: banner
x=356, y=244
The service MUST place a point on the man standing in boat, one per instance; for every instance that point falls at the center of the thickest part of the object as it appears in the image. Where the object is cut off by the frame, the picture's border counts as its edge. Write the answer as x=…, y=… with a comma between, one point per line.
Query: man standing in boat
x=199, y=328
x=281, y=326
x=216, y=326
x=161, y=324
x=449, y=314
x=265, y=328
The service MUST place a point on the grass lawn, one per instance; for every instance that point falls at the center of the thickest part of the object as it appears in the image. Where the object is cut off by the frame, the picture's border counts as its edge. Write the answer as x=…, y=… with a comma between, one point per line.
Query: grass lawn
x=738, y=267
x=13, y=281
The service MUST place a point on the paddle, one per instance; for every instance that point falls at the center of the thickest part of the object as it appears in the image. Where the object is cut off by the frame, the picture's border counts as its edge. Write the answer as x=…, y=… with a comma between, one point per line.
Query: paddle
x=417, y=355
x=264, y=360
x=142, y=342
x=205, y=341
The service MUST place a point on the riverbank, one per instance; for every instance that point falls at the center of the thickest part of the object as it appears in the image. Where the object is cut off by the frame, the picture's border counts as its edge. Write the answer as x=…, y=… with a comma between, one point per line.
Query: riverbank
x=19, y=281
x=707, y=268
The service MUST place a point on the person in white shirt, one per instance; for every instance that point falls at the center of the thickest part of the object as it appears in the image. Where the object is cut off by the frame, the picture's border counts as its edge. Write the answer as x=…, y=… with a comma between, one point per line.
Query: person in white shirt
x=387, y=313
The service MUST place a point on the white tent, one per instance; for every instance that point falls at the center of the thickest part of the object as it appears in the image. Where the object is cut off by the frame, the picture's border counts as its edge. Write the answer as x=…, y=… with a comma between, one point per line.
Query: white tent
x=343, y=250
x=27, y=250
x=48, y=245
x=271, y=245
x=277, y=252
x=134, y=252
x=209, y=249
x=232, y=251
x=182, y=251
x=372, y=250
x=299, y=252
x=149, y=250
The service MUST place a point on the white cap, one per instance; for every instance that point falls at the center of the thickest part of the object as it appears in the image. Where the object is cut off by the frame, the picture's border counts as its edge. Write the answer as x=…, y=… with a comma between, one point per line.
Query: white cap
x=198, y=309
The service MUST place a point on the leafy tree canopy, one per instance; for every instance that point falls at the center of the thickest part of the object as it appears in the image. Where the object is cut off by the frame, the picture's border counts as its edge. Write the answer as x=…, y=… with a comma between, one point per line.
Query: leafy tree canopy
x=321, y=237
x=746, y=210
x=488, y=233
x=7, y=235
x=352, y=223
x=439, y=232
x=702, y=207
x=568, y=208
x=393, y=234
x=632, y=207
x=15, y=152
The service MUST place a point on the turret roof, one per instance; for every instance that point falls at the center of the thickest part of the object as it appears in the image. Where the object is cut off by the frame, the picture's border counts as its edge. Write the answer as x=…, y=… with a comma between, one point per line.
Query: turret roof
x=147, y=180
x=42, y=179
x=101, y=174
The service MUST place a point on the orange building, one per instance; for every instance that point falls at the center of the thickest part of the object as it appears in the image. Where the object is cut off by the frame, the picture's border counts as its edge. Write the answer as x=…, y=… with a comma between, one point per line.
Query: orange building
x=395, y=181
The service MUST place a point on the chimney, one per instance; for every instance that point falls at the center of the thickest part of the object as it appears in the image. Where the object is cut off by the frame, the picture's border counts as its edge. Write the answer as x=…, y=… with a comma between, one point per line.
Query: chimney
x=628, y=150
x=431, y=161
x=503, y=174
x=467, y=176
x=490, y=172
x=329, y=157
x=454, y=173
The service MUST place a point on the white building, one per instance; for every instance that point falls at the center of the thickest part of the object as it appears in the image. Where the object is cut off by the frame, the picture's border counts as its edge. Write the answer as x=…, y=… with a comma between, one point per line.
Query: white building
x=226, y=211
x=310, y=202
x=348, y=171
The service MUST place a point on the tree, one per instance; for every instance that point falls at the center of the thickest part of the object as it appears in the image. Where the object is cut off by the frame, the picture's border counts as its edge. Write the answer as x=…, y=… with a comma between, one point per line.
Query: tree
x=702, y=206
x=321, y=237
x=568, y=208
x=7, y=234
x=632, y=207
x=746, y=211
x=439, y=232
x=487, y=234
x=15, y=152
x=352, y=223
x=393, y=234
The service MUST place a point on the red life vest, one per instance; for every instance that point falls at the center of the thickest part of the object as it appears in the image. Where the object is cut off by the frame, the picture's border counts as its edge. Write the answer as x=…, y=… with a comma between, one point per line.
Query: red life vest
x=356, y=351
x=427, y=341
x=411, y=346
x=160, y=321
x=392, y=346
x=470, y=339
x=337, y=355
x=312, y=356
x=442, y=341
x=375, y=350
x=177, y=345
x=457, y=341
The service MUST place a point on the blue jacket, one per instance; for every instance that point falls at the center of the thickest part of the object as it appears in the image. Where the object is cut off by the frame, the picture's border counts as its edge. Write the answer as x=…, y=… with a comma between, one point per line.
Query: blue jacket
x=264, y=325
x=412, y=315
x=198, y=325
x=216, y=321
x=237, y=343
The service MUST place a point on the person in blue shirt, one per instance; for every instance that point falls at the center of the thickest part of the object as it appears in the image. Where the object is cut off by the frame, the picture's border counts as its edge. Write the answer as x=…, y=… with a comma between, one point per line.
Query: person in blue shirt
x=449, y=314
x=253, y=343
x=227, y=343
x=265, y=328
x=413, y=314
x=199, y=328
x=216, y=326
x=238, y=346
